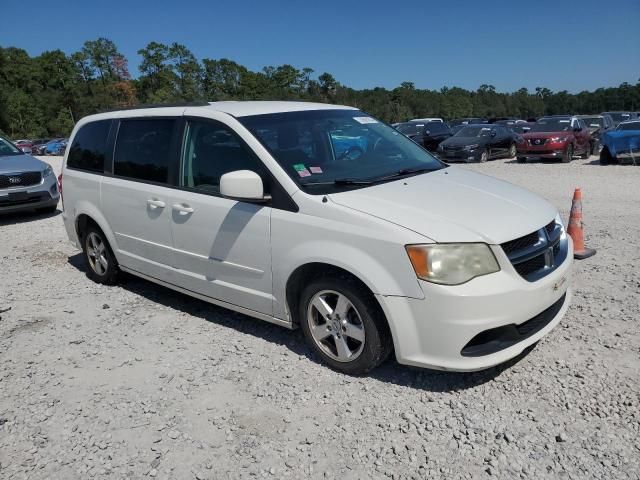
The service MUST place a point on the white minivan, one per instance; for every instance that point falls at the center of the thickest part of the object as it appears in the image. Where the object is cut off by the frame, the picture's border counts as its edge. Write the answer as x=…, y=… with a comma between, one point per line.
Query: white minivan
x=320, y=217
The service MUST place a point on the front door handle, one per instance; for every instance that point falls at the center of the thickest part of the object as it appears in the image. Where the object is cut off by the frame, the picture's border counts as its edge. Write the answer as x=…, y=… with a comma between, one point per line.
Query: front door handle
x=182, y=208
x=155, y=203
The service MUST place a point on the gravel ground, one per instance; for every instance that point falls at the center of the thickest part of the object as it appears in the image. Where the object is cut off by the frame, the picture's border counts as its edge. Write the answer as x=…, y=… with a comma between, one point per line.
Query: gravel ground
x=136, y=380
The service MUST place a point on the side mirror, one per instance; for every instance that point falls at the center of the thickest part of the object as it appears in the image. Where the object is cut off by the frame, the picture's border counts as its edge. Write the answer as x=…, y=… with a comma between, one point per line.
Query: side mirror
x=243, y=185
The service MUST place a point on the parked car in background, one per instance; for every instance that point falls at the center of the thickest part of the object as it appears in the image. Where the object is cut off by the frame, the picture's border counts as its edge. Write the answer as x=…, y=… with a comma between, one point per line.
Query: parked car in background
x=619, y=117
x=427, y=134
x=24, y=145
x=521, y=128
x=37, y=145
x=26, y=183
x=368, y=255
x=56, y=147
x=42, y=148
x=621, y=145
x=436, y=119
x=479, y=143
x=556, y=136
x=597, y=125
x=466, y=121
x=509, y=123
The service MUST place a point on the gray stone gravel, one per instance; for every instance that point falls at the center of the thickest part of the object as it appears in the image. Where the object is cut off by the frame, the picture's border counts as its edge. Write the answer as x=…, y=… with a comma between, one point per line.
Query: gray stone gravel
x=137, y=381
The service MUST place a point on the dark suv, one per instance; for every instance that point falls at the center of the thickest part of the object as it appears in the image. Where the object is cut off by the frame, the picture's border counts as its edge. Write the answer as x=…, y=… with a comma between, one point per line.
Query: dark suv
x=427, y=134
x=557, y=136
x=597, y=125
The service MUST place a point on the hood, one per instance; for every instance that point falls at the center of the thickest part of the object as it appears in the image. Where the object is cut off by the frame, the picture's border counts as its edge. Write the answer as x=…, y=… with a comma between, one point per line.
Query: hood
x=463, y=141
x=617, y=134
x=547, y=134
x=20, y=163
x=454, y=205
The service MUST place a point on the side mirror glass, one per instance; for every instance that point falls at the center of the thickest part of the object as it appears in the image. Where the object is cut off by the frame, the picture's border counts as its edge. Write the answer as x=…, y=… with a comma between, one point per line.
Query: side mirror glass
x=244, y=185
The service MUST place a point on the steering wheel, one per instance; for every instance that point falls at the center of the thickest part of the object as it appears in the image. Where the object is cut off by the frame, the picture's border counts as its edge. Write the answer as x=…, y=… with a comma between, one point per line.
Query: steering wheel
x=347, y=153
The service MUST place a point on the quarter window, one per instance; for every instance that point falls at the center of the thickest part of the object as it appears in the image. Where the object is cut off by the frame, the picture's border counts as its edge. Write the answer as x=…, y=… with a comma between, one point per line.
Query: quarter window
x=89, y=148
x=143, y=149
x=211, y=150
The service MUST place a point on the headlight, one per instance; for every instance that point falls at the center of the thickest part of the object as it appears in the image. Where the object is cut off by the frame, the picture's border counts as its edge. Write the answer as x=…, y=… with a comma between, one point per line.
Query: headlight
x=559, y=221
x=558, y=139
x=471, y=147
x=451, y=263
x=47, y=171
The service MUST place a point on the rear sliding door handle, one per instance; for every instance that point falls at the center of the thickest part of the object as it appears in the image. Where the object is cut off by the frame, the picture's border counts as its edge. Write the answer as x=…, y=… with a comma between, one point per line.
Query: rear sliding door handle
x=154, y=203
x=182, y=208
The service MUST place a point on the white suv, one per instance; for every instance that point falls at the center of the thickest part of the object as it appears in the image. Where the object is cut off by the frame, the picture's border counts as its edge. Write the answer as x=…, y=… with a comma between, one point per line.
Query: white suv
x=322, y=217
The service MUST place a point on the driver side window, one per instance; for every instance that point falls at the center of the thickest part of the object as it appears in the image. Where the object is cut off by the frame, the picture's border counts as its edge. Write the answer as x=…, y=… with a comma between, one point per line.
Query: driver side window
x=210, y=150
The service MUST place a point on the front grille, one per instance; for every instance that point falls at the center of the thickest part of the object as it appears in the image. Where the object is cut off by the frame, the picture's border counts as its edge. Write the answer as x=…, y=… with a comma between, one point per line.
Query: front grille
x=538, y=253
x=521, y=243
x=452, y=148
x=530, y=266
x=24, y=179
x=496, y=339
x=537, y=141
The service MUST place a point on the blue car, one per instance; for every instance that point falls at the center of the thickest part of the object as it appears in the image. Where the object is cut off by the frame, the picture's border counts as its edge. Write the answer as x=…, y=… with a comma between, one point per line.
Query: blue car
x=56, y=147
x=621, y=145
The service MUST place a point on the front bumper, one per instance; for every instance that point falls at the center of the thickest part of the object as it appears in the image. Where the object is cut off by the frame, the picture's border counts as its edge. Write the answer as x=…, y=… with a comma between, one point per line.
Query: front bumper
x=557, y=153
x=432, y=332
x=460, y=155
x=43, y=195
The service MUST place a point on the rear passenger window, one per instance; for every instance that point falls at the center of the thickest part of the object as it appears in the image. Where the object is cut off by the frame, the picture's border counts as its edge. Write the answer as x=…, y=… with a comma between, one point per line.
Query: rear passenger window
x=89, y=148
x=211, y=150
x=143, y=149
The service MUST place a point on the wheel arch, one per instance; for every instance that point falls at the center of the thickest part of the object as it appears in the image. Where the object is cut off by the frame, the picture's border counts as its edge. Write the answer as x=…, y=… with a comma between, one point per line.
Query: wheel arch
x=303, y=274
x=87, y=214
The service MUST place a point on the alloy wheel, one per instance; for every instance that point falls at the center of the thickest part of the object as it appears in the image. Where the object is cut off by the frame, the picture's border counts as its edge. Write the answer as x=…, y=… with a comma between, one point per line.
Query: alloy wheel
x=336, y=326
x=97, y=254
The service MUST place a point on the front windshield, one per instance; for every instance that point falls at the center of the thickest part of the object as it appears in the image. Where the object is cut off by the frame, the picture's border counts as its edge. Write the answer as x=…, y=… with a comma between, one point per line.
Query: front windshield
x=474, y=132
x=594, y=122
x=620, y=117
x=551, y=125
x=328, y=151
x=409, y=128
x=6, y=148
x=629, y=126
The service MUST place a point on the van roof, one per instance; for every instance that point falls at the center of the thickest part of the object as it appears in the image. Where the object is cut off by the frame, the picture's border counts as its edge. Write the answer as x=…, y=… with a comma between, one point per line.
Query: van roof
x=242, y=108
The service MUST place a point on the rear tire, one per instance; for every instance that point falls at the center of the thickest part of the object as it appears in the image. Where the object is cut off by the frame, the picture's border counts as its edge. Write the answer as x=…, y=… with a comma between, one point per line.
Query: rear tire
x=102, y=266
x=512, y=151
x=340, y=319
x=568, y=154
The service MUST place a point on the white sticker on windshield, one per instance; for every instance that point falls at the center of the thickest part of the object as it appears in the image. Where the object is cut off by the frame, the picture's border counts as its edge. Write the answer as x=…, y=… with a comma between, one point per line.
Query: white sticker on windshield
x=364, y=120
x=565, y=121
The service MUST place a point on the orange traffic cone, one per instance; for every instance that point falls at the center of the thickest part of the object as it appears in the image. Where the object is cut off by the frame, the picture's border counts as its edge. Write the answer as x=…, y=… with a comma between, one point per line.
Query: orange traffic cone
x=574, y=229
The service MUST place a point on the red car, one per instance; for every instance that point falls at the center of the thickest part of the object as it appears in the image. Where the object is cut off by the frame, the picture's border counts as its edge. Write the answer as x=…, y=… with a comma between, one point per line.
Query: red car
x=555, y=137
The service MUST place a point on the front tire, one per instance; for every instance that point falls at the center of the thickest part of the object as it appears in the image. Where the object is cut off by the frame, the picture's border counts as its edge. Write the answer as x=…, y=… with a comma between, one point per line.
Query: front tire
x=568, y=154
x=605, y=157
x=484, y=156
x=102, y=266
x=343, y=323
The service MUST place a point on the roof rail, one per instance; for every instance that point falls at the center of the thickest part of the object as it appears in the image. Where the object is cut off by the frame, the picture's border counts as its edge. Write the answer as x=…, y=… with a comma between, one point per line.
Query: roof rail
x=157, y=105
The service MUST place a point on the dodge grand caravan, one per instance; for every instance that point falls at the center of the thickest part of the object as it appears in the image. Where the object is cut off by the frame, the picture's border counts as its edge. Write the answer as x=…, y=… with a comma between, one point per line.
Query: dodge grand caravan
x=319, y=217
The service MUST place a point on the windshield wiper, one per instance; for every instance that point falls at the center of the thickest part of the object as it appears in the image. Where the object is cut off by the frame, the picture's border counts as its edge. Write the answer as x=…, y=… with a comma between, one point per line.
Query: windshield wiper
x=405, y=172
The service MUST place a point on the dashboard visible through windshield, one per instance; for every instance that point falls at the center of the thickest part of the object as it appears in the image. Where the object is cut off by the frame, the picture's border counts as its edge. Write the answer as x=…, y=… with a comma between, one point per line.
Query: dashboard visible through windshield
x=327, y=151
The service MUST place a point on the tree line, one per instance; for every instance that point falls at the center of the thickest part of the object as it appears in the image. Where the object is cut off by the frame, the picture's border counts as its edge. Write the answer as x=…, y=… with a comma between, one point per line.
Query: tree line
x=45, y=95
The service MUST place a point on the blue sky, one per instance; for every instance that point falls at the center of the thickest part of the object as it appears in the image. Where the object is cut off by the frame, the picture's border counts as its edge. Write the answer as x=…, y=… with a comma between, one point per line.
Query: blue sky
x=563, y=45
